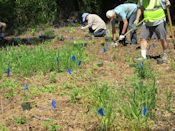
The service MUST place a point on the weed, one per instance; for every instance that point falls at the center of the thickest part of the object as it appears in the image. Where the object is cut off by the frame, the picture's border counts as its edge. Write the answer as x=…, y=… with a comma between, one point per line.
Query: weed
x=51, y=125
x=74, y=95
x=169, y=99
x=53, y=77
x=20, y=120
x=48, y=89
x=144, y=70
x=3, y=128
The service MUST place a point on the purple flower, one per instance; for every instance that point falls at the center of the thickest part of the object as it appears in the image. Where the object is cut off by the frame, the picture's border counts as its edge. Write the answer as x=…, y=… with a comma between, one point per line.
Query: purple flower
x=53, y=104
x=144, y=111
x=8, y=71
x=79, y=62
x=73, y=58
x=101, y=112
x=26, y=87
x=141, y=65
x=69, y=71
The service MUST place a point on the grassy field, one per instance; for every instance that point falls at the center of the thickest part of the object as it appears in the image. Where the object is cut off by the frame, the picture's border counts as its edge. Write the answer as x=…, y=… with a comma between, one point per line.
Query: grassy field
x=75, y=82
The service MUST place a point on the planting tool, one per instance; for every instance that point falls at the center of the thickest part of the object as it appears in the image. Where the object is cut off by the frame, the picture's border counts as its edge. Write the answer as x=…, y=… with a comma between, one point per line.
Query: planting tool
x=133, y=28
x=170, y=23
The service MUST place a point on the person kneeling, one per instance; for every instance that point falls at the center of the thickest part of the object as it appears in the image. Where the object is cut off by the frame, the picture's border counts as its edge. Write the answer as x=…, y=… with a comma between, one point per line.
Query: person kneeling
x=95, y=24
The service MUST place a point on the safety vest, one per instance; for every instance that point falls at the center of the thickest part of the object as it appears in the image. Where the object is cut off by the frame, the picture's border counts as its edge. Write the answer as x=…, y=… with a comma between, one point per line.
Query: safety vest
x=153, y=11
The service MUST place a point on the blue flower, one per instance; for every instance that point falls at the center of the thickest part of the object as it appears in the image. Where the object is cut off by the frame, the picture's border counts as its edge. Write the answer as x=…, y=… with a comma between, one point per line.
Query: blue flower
x=26, y=87
x=141, y=65
x=79, y=62
x=53, y=104
x=73, y=58
x=69, y=71
x=8, y=71
x=101, y=112
x=144, y=111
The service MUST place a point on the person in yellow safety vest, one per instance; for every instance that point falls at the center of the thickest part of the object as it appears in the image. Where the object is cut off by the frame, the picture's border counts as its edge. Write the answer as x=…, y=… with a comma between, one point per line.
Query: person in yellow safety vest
x=154, y=22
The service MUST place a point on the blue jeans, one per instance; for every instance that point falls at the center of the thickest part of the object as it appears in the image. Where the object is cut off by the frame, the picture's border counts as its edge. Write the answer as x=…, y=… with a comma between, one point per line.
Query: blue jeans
x=133, y=35
x=98, y=33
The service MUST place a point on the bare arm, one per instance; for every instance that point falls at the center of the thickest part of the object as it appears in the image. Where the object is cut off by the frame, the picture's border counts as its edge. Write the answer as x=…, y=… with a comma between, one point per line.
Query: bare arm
x=139, y=12
x=113, y=31
x=125, y=25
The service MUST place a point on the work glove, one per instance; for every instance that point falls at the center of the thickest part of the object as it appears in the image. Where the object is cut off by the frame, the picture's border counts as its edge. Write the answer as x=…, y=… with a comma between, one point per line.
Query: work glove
x=114, y=44
x=121, y=37
x=83, y=28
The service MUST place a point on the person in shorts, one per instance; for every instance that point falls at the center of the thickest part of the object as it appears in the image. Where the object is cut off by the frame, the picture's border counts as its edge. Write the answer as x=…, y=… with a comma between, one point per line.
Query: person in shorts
x=154, y=22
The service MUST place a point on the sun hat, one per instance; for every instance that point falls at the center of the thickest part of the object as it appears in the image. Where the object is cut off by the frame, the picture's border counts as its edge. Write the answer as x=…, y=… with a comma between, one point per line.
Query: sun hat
x=84, y=15
x=110, y=13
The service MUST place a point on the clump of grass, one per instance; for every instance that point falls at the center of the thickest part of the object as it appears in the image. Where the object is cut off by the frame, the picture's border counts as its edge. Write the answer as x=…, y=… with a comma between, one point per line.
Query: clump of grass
x=20, y=120
x=51, y=125
x=74, y=95
x=144, y=70
x=141, y=97
x=3, y=127
x=28, y=61
x=169, y=99
x=53, y=77
x=103, y=98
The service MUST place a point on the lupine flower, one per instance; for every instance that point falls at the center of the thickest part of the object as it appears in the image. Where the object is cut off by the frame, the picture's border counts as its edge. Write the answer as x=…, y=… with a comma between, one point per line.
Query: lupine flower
x=53, y=104
x=101, y=112
x=28, y=40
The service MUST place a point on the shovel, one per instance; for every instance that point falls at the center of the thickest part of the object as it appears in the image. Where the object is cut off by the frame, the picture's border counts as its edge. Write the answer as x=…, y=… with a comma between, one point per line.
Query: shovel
x=133, y=28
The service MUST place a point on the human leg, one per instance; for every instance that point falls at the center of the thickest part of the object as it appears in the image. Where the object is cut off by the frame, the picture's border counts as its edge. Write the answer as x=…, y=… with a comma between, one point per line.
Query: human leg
x=100, y=33
x=133, y=35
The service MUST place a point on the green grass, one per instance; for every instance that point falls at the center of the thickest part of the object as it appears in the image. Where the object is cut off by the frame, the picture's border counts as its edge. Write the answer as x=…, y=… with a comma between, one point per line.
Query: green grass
x=103, y=97
x=27, y=61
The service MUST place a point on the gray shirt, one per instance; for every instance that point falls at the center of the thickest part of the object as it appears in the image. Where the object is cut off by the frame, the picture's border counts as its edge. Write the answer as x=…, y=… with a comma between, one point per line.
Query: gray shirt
x=163, y=4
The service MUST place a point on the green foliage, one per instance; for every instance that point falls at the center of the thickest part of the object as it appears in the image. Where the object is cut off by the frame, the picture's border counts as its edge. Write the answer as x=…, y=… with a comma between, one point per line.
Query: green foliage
x=27, y=61
x=74, y=95
x=20, y=120
x=145, y=72
x=51, y=125
x=142, y=94
x=103, y=97
x=53, y=77
x=169, y=99
x=3, y=128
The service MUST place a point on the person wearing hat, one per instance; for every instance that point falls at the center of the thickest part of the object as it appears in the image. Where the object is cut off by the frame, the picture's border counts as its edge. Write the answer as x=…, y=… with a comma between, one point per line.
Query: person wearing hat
x=126, y=14
x=95, y=24
x=154, y=23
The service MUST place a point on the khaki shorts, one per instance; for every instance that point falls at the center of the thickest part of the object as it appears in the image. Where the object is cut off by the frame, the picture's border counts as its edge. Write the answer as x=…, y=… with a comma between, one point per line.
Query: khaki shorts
x=148, y=31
